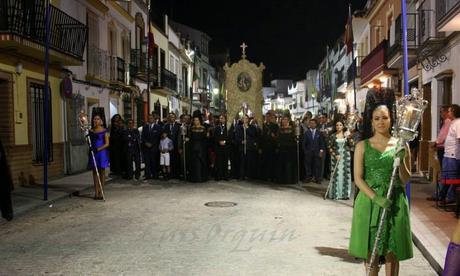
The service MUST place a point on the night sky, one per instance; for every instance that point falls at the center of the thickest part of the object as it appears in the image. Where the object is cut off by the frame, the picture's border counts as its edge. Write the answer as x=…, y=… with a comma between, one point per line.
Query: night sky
x=288, y=36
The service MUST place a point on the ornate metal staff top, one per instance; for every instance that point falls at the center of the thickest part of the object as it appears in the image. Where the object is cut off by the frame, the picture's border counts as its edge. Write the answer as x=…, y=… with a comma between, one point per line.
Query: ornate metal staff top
x=409, y=114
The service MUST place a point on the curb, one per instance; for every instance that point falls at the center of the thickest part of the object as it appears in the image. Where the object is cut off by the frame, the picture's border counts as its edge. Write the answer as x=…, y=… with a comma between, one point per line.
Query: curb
x=52, y=201
x=426, y=254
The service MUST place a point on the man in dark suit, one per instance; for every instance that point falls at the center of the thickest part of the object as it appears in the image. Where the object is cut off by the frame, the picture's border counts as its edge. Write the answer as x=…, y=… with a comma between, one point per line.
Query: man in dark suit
x=172, y=128
x=150, y=142
x=325, y=128
x=314, y=147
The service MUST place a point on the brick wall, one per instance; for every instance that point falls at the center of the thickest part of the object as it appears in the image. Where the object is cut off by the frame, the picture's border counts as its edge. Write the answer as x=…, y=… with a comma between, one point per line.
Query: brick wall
x=6, y=106
x=23, y=169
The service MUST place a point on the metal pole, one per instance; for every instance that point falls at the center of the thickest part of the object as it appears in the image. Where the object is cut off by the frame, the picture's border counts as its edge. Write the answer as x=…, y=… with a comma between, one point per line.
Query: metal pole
x=384, y=213
x=405, y=69
x=46, y=104
x=88, y=140
x=148, y=57
x=354, y=66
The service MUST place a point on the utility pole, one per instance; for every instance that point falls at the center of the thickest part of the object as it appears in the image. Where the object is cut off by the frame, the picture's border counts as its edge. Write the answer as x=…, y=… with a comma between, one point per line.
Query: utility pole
x=46, y=137
x=149, y=52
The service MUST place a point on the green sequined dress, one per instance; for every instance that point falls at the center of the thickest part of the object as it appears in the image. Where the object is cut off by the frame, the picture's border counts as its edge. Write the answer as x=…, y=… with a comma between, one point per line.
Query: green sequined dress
x=396, y=236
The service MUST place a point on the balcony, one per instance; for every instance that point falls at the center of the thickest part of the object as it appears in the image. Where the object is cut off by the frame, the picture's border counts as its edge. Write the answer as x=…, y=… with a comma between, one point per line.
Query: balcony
x=117, y=71
x=448, y=15
x=430, y=40
x=167, y=83
x=394, y=52
x=354, y=70
x=121, y=70
x=98, y=65
x=22, y=32
x=374, y=64
x=138, y=66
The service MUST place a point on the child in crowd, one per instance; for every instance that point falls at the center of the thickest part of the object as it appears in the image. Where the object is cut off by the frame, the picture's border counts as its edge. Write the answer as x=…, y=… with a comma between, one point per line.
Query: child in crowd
x=166, y=145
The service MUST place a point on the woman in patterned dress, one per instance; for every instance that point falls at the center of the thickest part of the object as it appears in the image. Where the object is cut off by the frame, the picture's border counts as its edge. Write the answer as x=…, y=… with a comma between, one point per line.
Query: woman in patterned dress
x=339, y=149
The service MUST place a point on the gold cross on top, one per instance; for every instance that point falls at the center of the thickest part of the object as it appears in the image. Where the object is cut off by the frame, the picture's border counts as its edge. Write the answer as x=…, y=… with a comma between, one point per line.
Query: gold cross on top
x=244, y=46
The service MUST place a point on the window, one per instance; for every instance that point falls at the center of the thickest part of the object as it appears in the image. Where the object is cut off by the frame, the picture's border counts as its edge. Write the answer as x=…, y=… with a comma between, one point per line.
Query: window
x=172, y=64
x=162, y=58
x=389, y=26
x=93, y=44
x=205, y=79
x=185, y=81
x=127, y=107
x=37, y=104
x=124, y=4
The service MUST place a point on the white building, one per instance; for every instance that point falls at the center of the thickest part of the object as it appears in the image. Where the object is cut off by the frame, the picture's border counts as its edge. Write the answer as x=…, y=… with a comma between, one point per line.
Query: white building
x=353, y=74
x=107, y=79
x=297, y=91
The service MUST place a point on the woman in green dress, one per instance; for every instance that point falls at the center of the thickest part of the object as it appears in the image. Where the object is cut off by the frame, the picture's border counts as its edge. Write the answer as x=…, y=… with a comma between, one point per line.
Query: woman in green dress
x=373, y=164
x=339, y=149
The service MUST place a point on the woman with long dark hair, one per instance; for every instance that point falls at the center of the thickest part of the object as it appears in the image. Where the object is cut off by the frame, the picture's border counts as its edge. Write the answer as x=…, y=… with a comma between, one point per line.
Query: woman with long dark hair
x=99, y=144
x=116, y=143
x=339, y=149
x=373, y=168
x=286, y=161
x=198, y=161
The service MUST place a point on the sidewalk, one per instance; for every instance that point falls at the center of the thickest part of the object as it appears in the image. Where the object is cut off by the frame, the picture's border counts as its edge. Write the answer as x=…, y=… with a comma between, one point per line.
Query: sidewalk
x=431, y=227
x=30, y=197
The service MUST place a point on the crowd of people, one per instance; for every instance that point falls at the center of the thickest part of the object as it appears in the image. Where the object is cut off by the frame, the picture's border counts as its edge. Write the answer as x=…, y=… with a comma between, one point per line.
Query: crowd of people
x=198, y=148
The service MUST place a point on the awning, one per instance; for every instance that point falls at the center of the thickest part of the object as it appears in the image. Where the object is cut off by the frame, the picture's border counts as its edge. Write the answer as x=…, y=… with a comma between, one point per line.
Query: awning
x=162, y=99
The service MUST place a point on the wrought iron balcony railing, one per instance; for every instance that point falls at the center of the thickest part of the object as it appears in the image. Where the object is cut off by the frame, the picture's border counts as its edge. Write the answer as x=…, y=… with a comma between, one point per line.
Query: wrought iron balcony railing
x=98, y=63
x=117, y=70
x=121, y=69
x=431, y=41
x=138, y=61
x=168, y=79
x=138, y=66
x=396, y=39
x=446, y=10
x=26, y=19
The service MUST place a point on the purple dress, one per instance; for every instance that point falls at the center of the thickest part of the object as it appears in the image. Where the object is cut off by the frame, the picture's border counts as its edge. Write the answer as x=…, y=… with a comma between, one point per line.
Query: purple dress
x=102, y=157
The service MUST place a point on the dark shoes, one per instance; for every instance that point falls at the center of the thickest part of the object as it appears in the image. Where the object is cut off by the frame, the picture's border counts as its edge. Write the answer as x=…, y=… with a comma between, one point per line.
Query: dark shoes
x=8, y=216
x=445, y=202
x=432, y=198
x=98, y=198
x=311, y=179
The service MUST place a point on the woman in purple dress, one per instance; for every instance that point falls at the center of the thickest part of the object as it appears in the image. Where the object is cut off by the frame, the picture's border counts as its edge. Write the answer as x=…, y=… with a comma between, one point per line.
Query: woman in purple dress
x=99, y=144
x=452, y=264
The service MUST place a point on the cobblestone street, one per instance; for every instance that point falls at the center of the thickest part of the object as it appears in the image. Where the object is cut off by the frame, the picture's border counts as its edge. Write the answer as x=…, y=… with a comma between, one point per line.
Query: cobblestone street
x=165, y=229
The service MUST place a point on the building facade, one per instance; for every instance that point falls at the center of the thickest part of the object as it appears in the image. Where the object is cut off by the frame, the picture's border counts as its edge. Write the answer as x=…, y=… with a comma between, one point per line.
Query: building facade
x=22, y=85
